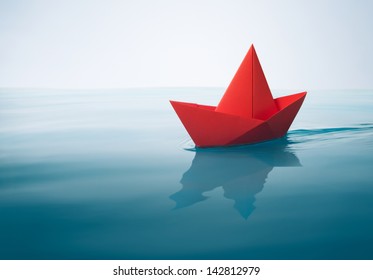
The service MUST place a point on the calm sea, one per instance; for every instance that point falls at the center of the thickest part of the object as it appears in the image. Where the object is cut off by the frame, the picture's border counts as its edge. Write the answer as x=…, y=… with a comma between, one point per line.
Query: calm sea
x=112, y=174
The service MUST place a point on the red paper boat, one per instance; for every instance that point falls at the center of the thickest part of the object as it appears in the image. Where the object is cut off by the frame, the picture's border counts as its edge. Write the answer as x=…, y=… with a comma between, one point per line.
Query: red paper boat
x=246, y=114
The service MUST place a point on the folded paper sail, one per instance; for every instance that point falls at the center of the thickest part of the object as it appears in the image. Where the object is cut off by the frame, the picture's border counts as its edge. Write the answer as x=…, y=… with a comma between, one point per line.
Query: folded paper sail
x=246, y=114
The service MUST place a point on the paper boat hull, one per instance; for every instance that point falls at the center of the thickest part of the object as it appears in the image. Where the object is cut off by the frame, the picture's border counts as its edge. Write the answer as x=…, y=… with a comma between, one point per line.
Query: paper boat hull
x=209, y=128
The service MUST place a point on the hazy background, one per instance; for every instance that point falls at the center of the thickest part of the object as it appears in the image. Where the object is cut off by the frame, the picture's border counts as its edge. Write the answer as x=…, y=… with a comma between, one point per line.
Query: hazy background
x=114, y=44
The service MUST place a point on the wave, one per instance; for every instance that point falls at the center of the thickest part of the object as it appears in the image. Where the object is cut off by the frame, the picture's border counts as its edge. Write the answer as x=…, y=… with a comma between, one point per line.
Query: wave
x=319, y=131
x=360, y=131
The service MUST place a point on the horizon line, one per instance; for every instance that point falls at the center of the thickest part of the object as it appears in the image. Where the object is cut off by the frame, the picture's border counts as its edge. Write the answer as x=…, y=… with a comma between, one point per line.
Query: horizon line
x=162, y=87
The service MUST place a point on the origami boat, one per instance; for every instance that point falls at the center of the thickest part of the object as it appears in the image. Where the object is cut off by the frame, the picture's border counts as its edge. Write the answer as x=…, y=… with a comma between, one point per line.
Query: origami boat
x=246, y=114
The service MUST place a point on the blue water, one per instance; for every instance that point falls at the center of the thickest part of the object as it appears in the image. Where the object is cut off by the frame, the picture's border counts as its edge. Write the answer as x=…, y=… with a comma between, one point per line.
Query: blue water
x=112, y=174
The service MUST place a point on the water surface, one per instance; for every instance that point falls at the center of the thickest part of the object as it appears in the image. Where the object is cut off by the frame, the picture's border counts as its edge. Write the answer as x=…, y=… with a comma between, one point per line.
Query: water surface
x=112, y=174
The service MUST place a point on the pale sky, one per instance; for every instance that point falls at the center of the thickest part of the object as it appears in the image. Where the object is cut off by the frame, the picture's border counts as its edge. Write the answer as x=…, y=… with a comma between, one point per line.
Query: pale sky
x=168, y=43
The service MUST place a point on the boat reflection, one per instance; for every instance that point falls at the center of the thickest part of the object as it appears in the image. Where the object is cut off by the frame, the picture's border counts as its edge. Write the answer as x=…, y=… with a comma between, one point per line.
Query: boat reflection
x=241, y=172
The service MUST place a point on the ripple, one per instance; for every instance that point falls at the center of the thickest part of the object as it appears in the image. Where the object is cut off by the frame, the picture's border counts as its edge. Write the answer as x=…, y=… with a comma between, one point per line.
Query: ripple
x=356, y=132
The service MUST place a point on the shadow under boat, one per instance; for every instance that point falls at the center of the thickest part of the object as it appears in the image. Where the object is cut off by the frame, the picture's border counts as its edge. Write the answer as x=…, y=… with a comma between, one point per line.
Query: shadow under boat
x=241, y=172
